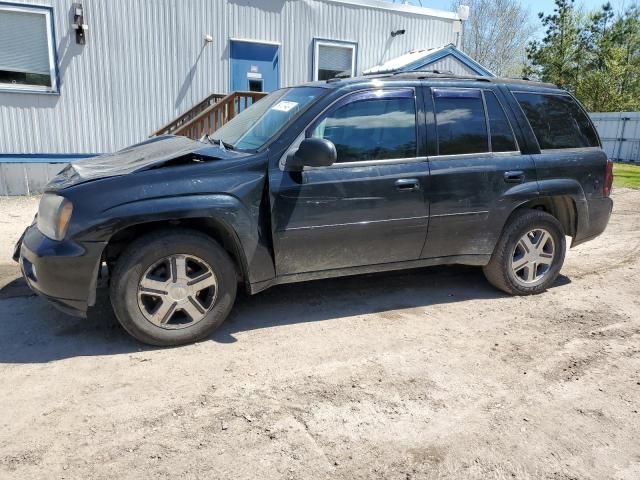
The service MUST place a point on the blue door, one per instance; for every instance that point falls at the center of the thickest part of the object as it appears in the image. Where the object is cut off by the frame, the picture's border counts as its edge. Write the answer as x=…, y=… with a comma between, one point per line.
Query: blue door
x=254, y=67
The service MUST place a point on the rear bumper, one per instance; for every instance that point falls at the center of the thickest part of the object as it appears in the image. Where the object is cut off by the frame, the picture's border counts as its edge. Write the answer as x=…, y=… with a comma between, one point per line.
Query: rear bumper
x=598, y=218
x=65, y=273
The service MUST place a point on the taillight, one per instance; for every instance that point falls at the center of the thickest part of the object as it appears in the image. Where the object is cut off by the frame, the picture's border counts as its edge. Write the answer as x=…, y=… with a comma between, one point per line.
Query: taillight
x=608, y=179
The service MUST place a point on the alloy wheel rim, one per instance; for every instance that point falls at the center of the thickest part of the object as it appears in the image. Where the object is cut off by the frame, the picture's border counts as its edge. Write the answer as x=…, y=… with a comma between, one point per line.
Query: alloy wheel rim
x=177, y=291
x=532, y=257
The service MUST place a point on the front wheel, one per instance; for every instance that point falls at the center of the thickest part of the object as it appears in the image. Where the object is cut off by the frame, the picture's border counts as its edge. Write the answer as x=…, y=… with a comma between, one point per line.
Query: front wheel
x=529, y=254
x=171, y=288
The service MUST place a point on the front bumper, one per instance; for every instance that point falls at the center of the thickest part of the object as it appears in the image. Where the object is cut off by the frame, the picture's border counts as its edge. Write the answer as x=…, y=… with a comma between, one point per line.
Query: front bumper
x=64, y=273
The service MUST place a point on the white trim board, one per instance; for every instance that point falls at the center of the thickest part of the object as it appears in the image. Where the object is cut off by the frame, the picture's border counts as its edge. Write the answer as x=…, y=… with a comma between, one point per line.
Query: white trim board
x=381, y=5
x=249, y=40
x=53, y=74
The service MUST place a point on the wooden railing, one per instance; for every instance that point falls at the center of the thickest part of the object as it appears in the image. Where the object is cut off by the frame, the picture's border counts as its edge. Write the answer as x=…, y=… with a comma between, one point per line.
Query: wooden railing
x=189, y=115
x=210, y=114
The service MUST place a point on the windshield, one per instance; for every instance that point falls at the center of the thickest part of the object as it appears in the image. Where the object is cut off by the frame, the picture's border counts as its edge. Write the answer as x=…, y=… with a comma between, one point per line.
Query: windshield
x=253, y=127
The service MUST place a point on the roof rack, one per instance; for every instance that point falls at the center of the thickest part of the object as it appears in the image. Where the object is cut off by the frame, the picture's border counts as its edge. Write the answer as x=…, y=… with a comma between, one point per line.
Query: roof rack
x=444, y=75
x=338, y=77
x=435, y=72
x=440, y=74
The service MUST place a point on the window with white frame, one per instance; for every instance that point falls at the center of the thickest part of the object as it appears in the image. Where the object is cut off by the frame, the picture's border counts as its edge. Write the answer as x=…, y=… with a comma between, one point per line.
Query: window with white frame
x=333, y=58
x=27, y=59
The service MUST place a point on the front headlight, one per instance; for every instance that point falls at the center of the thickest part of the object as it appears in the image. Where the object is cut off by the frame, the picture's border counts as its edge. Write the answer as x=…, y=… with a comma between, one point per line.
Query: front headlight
x=54, y=214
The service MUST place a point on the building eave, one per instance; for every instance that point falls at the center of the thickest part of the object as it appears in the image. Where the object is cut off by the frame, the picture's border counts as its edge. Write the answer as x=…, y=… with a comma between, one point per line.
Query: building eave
x=420, y=59
x=413, y=9
x=448, y=50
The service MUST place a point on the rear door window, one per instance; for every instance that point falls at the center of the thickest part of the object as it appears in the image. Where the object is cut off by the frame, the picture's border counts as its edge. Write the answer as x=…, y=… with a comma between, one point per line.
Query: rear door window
x=557, y=121
x=461, y=122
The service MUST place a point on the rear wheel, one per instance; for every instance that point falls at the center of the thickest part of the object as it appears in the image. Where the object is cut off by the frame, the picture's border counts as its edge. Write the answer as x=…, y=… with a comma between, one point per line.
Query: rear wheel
x=529, y=254
x=172, y=288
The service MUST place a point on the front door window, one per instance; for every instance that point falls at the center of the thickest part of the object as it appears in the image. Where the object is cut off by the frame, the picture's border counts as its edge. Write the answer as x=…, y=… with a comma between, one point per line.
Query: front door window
x=374, y=126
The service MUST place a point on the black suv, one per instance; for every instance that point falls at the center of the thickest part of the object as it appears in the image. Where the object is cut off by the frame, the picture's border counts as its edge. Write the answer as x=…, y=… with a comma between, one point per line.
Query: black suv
x=326, y=179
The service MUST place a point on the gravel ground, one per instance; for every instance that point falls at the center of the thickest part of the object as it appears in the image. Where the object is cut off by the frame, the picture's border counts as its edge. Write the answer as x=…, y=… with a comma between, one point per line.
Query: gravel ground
x=423, y=374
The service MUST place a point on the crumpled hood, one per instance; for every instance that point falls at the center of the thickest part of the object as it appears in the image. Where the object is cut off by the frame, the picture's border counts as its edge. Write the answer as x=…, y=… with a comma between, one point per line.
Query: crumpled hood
x=142, y=156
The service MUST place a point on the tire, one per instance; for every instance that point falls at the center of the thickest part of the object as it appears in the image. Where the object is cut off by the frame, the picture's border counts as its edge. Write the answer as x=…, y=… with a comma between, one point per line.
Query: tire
x=522, y=246
x=155, y=287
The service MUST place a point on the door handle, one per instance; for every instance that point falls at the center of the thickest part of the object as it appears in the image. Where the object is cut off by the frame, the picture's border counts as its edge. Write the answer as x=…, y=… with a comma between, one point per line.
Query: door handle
x=514, y=176
x=407, y=184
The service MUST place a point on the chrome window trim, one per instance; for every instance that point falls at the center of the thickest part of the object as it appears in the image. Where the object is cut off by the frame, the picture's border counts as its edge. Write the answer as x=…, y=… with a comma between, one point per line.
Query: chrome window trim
x=475, y=155
x=394, y=161
x=370, y=163
x=571, y=149
x=536, y=92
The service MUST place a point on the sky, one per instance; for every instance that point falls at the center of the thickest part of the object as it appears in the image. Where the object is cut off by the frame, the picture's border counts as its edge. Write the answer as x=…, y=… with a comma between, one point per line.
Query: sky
x=534, y=6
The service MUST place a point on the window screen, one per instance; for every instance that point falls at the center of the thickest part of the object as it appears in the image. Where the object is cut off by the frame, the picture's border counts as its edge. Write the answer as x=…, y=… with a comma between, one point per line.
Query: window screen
x=334, y=60
x=372, y=129
x=24, y=48
x=502, y=139
x=460, y=121
x=557, y=121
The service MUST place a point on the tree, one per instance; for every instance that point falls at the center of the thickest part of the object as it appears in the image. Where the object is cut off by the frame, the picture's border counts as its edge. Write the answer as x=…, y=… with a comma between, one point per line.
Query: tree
x=601, y=67
x=556, y=57
x=595, y=56
x=626, y=35
x=496, y=34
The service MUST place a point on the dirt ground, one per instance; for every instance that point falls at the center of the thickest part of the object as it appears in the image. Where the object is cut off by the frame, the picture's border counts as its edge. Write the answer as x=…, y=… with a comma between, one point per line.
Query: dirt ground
x=423, y=374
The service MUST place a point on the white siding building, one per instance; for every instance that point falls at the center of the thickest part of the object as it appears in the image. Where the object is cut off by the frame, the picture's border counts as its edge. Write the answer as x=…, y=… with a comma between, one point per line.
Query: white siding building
x=92, y=76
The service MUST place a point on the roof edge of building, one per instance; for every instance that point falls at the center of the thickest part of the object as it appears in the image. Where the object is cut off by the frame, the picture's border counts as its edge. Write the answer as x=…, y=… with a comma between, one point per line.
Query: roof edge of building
x=382, y=5
x=425, y=56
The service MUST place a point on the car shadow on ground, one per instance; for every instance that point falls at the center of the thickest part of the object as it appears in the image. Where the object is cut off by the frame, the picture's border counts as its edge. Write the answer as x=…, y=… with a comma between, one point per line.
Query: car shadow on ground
x=32, y=331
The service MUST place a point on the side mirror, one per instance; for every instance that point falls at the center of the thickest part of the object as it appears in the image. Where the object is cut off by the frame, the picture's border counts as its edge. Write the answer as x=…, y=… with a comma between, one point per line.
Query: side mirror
x=313, y=152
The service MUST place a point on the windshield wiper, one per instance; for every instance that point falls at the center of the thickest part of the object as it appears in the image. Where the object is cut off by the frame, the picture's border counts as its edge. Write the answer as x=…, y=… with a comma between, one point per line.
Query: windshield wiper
x=220, y=143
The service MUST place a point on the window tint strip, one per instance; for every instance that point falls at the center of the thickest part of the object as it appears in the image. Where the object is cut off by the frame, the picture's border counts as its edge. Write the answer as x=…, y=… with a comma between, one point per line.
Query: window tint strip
x=377, y=94
x=456, y=93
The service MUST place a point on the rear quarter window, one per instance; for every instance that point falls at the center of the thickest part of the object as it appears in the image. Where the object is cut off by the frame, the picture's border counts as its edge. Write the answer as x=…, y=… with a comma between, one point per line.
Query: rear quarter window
x=557, y=121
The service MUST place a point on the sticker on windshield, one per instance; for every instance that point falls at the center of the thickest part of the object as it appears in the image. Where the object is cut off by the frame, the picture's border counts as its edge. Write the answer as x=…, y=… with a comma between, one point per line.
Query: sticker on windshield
x=285, y=106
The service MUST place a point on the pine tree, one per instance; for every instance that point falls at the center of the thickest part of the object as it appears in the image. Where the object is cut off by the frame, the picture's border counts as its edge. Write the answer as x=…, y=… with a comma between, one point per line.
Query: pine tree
x=596, y=57
x=555, y=58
